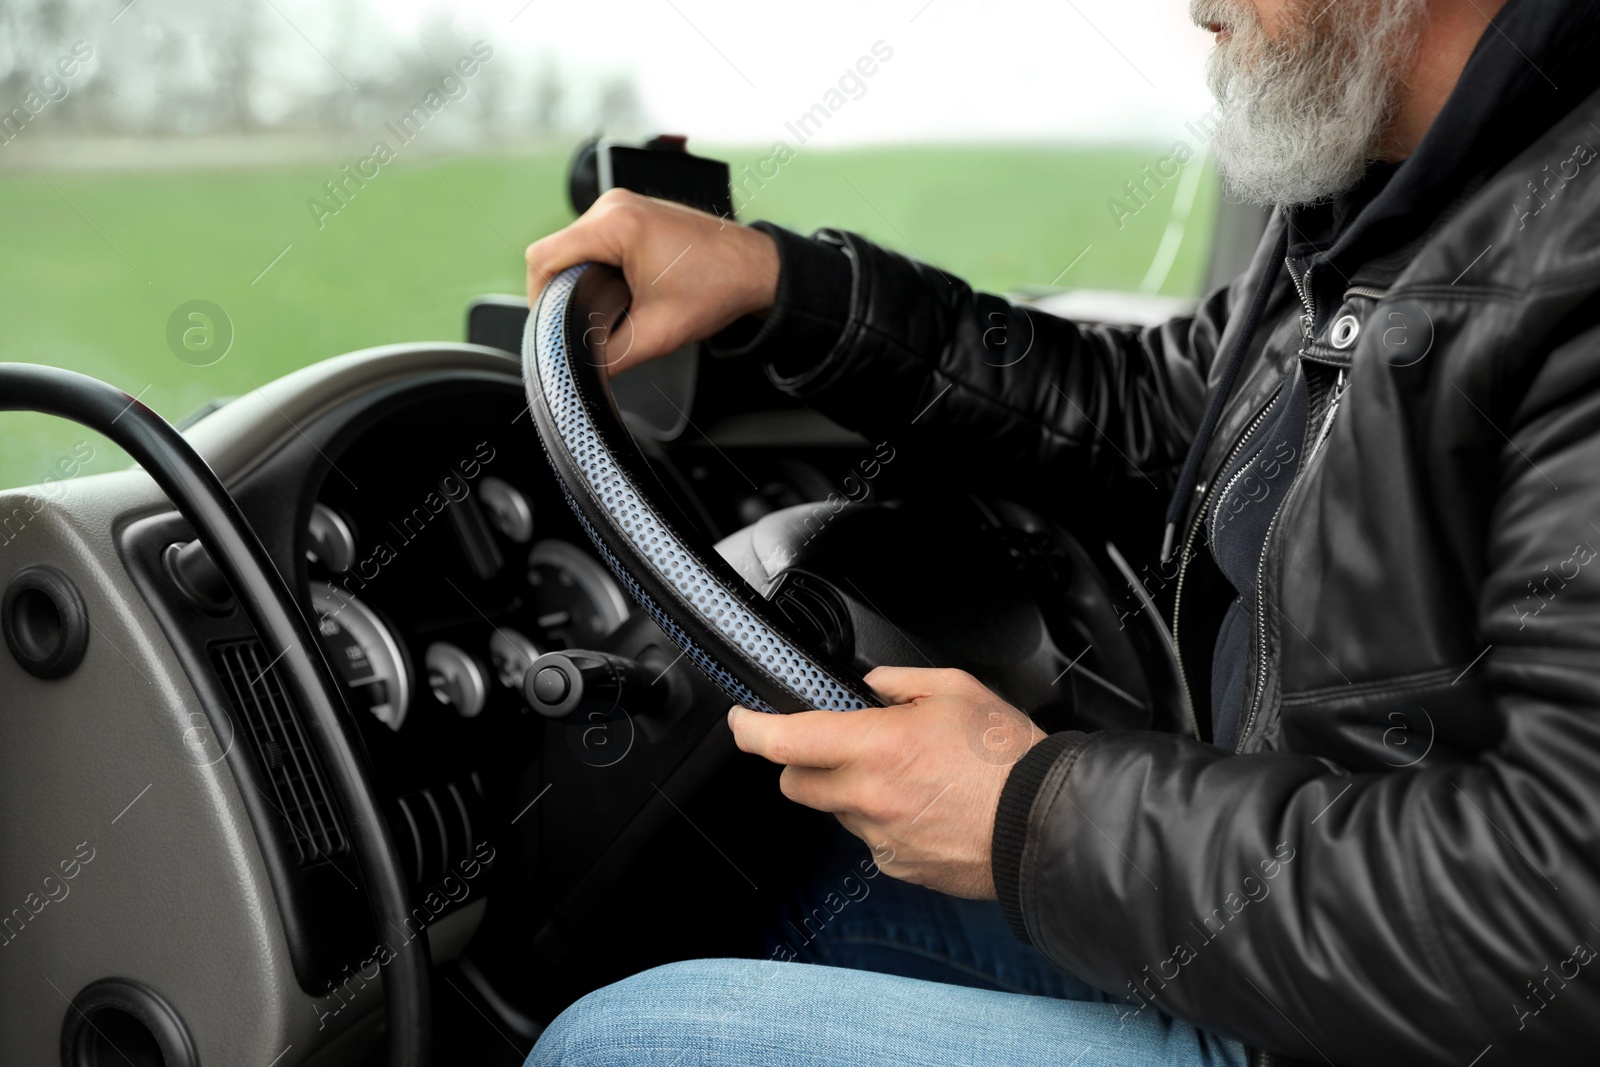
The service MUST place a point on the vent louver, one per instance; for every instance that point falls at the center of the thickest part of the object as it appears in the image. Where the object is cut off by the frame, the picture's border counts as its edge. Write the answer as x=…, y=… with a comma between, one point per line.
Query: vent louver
x=272, y=722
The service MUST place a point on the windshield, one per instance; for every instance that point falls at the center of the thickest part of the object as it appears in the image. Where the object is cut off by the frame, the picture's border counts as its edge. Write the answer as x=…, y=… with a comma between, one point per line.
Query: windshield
x=198, y=196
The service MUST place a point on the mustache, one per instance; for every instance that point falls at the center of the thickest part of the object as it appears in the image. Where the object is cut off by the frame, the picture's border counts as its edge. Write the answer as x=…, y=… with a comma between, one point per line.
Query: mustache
x=1228, y=13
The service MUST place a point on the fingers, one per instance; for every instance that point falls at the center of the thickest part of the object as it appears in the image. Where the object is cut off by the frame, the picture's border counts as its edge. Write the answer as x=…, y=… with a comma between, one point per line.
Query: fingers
x=812, y=786
x=605, y=234
x=807, y=739
x=599, y=236
x=690, y=274
x=905, y=685
x=551, y=255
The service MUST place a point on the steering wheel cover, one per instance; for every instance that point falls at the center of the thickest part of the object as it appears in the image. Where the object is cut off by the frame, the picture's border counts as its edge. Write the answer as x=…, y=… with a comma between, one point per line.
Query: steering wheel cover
x=721, y=623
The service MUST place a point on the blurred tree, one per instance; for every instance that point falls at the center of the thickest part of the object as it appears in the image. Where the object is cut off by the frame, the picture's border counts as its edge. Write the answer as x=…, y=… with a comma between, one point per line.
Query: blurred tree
x=235, y=62
x=619, y=111
x=202, y=66
x=549, y=93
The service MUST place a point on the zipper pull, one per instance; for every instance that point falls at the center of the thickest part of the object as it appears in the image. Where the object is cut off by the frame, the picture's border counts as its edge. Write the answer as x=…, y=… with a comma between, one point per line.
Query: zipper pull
x=1308, y=318
x=1333, y=409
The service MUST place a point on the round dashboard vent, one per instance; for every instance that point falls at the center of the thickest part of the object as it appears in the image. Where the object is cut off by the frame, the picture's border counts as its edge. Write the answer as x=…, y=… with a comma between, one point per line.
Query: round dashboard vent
x=118, y=1022
x=46, y=625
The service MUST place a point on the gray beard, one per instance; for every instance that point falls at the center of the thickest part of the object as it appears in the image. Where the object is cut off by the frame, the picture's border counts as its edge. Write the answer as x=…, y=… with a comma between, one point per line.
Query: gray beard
x=1301, y=117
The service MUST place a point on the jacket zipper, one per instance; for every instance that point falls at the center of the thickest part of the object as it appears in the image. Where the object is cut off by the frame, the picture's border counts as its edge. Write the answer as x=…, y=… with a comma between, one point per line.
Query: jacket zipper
x=1333, y=409
x=1266, y=544
x=1261, y=629
x=1227, y=489
x=1306, y=322
x=1261, y=567
x=1366, y=291
x=1183, y=560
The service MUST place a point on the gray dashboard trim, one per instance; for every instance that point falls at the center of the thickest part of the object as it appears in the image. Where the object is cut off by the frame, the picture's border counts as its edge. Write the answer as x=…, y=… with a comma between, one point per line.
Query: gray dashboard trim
x=176, y=894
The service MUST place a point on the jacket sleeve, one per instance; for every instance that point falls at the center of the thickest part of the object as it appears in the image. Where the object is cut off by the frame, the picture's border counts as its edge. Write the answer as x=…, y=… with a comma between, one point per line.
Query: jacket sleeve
x=1379, y=916
x=999, y=394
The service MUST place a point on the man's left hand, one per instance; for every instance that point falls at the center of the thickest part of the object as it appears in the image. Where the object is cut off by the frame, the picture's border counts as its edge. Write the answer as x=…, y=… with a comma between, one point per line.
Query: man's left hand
x=919, y=782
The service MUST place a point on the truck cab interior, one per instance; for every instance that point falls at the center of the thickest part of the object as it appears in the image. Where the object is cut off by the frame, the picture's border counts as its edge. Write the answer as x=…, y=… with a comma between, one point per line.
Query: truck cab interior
x=333, y=732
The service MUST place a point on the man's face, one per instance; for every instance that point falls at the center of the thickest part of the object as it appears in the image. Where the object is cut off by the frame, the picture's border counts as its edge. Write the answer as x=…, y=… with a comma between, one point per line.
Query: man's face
x=1306, y=89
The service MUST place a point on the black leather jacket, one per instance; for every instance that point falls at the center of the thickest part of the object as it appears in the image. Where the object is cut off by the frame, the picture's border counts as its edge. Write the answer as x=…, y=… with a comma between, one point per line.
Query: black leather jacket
x=1401, y=864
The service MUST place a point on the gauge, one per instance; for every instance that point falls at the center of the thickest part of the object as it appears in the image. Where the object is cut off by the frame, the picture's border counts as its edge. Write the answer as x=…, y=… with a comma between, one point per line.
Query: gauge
x=363, y=653
x=511, y=654
x=456, y=679
x=330, y=541
x=509, y=509
x=574, y=595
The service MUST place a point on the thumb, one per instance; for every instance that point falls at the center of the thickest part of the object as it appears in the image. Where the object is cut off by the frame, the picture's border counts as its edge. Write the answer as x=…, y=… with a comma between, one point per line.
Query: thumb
x=904, y=685
x=645, y=332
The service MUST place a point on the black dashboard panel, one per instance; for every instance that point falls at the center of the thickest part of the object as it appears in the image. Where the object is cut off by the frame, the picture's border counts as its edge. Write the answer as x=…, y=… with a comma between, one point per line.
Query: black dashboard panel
x=399, y=466
x=449, y=532
x=410, y=488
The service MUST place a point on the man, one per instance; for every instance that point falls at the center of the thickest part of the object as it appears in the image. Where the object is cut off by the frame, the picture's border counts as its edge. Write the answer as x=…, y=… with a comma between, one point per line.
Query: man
x=1383, y=844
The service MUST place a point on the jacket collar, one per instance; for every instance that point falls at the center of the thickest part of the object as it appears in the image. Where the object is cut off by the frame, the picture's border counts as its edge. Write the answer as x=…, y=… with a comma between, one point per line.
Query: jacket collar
x=1534, y=64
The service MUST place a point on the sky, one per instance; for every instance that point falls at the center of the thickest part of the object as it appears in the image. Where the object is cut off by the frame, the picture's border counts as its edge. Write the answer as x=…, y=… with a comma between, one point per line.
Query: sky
x=958, y=70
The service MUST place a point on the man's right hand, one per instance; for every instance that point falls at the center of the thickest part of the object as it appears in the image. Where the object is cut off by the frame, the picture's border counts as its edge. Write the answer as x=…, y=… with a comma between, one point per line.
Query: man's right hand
x=691, y=274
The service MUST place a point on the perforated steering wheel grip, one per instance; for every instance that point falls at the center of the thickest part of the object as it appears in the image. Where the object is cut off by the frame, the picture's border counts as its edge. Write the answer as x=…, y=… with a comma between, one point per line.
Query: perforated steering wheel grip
x=720, y=622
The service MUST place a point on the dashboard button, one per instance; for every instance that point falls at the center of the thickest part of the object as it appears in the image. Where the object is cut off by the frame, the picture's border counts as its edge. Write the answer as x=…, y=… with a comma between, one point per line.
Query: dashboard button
x=551, y=685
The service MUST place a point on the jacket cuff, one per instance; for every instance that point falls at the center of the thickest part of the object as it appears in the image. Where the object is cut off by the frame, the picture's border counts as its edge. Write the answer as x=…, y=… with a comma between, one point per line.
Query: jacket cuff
x=808, y=312
x=1012, y=816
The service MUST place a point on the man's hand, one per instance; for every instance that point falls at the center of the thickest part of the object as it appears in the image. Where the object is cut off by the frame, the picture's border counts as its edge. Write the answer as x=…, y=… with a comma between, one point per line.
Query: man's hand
x=918, y=782
x=691, y=273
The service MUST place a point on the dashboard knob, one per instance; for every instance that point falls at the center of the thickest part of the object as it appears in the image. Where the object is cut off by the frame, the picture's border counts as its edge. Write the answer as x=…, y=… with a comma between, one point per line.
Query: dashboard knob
x=198, y=577
x=511, y=654
x=329, y=540
x=456, y=679
x=508, y=509
x=559, y=682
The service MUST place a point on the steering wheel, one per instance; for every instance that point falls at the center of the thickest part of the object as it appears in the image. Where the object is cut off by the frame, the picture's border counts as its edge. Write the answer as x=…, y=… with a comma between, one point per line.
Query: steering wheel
x=738, y=638
x=800, y=641
x=201, y=498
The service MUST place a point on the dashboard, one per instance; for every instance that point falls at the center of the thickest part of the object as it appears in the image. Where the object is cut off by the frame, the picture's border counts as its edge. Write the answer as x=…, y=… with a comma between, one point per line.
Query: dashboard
x=438, y=558
x=403, y=494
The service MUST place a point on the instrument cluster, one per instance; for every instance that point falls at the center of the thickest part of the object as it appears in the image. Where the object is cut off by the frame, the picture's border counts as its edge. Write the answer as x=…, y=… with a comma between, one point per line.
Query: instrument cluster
x=440, y=561
x=563, y=596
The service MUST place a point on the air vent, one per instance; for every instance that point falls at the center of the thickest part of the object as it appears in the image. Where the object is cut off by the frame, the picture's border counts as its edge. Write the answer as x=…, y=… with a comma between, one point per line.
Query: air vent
x=437, y=830
x=273, y=724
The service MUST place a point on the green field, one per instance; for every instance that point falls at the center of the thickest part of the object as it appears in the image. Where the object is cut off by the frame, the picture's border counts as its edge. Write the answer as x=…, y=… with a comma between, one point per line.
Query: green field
x=95, y=262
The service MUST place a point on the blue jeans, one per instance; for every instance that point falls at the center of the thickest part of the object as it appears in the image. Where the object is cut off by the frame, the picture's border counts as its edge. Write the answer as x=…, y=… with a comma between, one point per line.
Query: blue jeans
x=867, y=970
